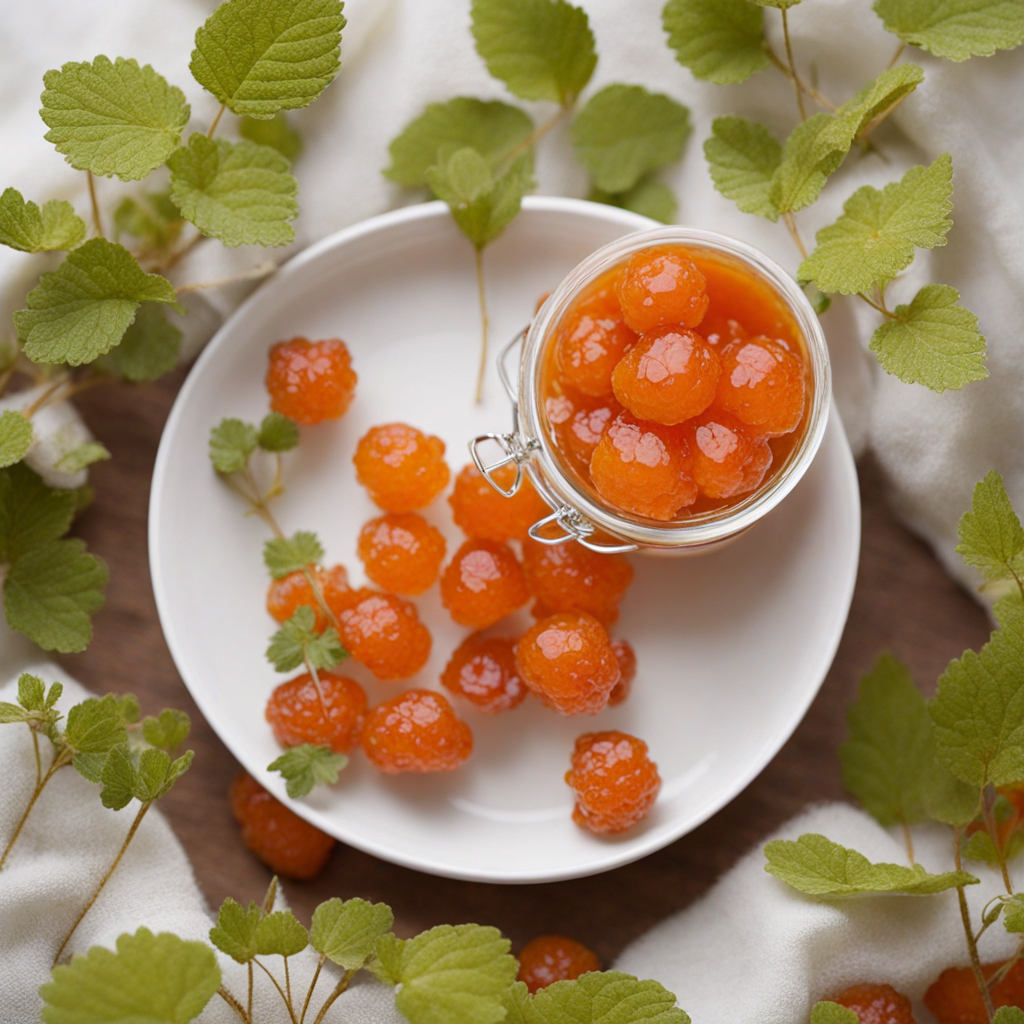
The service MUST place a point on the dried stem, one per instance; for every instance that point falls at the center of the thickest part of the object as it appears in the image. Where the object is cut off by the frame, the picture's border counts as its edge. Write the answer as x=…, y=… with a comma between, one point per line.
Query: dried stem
x=792, y=66
x=484, y=322
x=790, y=222
x=972, y=945
x=261, y=271
x=896, y=56
x=908, y=839
x=234, y=1004
x=58, y=762
x=276, y=984
x=97, y=224
x=343, y=984
x=248, y=1001
x=45, y=397
x=312, y=986
x=216, y=121
x=39, y=760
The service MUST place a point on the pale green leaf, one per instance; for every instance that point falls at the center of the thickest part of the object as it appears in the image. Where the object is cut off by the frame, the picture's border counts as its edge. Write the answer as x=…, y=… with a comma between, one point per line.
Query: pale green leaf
x=880, y=96
x=30, y=512
x=386, y=965
x=649, y=197
x=86, y=454
x=95, y=728
x=152, y=218
x=277, y=433
x=168, y=730
x=25, y=226
x=518, y=1004
x=235, y=931
x=275, y=132
x=11, y=714
x=721, y=41
x=232, y=441
x=606, y=997
x=948, y=799
x=118, y=776
x=979, y=846
x=347, y=932
x=32, y=692
x=296, y=642
x=832, y=1013
x=149, y=348
x=813, y=152
x=956, y=29
x=1008, y=1015
x=1013, y=913
x=306, y=766
x=15, y=437
x=284, y=555
x=743, y=157
x=280, y=934
x=991, y=536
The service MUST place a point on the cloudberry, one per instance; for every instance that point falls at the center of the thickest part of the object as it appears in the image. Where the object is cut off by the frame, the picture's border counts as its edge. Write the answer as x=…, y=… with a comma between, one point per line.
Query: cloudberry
x=310, y=381
x=286, y=595
x=729, y=458
x=626, y=657
x=568, y=661
x=591, y=340
x=331, y=716
x=762, y=383
x=669, y=376
x=953, y=997
x=384, y=633
x=483, y=583
x=569, y=577
x=401, y=467
x=484, y=671
x=416, y=731
x=284, y=842
x=662, y=286
x=586, y=427
x=614, y=780
x=876, y=1004
x=401, y=552
x=719, y=331
x=644, y=468
x=480, y=511
x=550, y=958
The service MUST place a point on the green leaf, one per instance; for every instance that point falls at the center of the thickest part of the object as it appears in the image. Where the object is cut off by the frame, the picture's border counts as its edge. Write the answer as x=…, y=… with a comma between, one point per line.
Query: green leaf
x=86, y=454
x=540, y=49
x=934, y=341
x=284, y=555
x=262, y=56
x=720, y=41
x=991, y=537
x=879, y=96
x=606, y=997
x=32, y=692
x=386, y=965
x=280, y=934
x=305, y=766
x=1008, y=1015
x=955, y=29
x=152, y=218
x=149, y=348
x=347, y=932
x=832, y=1013
x=277, y=433
x=168, y=730
x=238, y=192
x=819, y=301
x=30, y=512
x=296, y=642
x=818, y=867
x=625, y=132
x=119, y=777
x=813, y=151
x=518, y=1003
x=113, y=117
x=24, y=226
x=876, y=236
x=1013, y=913
x=743, y=157
x=232, y=441
x=649, y=198
x=82, y=309
x=11, y=714
x=94, y=728
x=235, y=931
x=276, y=133
x=151, y=979
x=948, y=799
x=979, y=846
x=494, y=129
x=15, y=437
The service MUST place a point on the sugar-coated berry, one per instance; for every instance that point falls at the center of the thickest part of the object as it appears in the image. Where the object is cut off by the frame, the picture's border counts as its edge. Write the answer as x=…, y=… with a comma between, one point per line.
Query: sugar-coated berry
x=614, y=780
x=281, y=839
x=401, y=467
x=416, y=731
x=401, y=552
x=484, y=671
x=953, y=998
x=626, y=657
x=662, y=286
x=668, y=377
x=876, y=1004
x=483, y=583
x=384, y=633
x=729, y=457
x=592, y=338
x=330, y=716
x=569, y=577
x=310, y=381
x=762, y=384
x=568, y=661
x=480, y=511
x=644, y=468
x=550, y=958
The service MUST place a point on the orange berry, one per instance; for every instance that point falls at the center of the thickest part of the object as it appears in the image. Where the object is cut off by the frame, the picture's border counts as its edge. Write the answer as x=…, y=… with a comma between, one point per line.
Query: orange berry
x=569, y=577
x=580, y=433
x=331, y=716
x=551, y=958
x=401, y=467
x=876, y=1004
x=953, y=997
x=483, y=583
x=484, y=672
x=416, y=731
x=719, y=331
x=644, y=468
x=614, y=780
x=626, y=657
x=591, y=340
x=729, y=458
x=762, y=383
x=284, y=842
x=568, y=661
x=310, y=381
x=384, y=633
x=662, y=286
x=401, y=552
x=480, y=511
x=286, y=595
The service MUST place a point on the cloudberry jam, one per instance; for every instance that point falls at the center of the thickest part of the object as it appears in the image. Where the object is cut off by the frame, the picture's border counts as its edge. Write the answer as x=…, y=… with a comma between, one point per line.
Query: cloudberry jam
x=579, y=424
x=550, y=958
x=481, y=512
x=762, y=384
x=402, y=468
x=383, y=632
x=329, y=715
x=416, y=731
x=484, y=671
x=876, y=1004
x=729, y=457
x=660, y=286
x=401, y=552
x=591, y=340
x=483, y=583
x=310, y=381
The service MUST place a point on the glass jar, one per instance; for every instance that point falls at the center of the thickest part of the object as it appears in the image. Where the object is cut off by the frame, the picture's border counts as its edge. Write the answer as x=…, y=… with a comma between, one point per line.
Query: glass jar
x=580, y=515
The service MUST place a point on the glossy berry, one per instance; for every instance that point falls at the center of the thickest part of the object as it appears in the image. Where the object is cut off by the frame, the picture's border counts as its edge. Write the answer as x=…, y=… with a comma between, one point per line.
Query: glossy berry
x=551, y=958
x=729, y=457
x=626, y=657
x=310, y=381
x=592, y=338
x=644, y=468
x=662, y=286
x=876, y=1004
x=953, y=997
x=384, y=633
x=484, y=671
x=416, y=731
x=614, y=780
x=568, y=661
x=569, y=577
x=719, y=331
x=284, y=842
x=481, y=512
x=331, y=716
x=762, y=384
x=401, y=467
x=483, y=583
x=401, y=552
x=286, y=595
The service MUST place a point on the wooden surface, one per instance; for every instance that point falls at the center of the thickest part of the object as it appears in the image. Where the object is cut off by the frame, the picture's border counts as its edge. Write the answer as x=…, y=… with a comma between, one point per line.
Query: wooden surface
x=904, y=602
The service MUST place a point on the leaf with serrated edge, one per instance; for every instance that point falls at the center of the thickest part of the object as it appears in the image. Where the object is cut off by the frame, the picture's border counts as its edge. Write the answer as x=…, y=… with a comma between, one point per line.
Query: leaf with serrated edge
x=96, y=725
x=296, y=641
x=649, y=198
x=955, y=29
x=284, y=555
x=891, y=86
x=347, y=932
x=1013, y=913
x=813, y=151
x=31, y=692
x=24, y=226
x=720, y=41
x=386, y=965
x=991, y=536
x=606, y=997
x=168, y=730
x=1008, y=1015
x=153, y=768
x=30, y=512
x=88, y=453
x=832, y=1013
x=277, y=433
x=119, y=778
x=742, y=158
x=306, y=766
x=15, y=437
x=235, y=931
x=934, y=341
x=280, y=934
x=275, y=132
x=948, y=799
x=819, y=867
x=232, y=441
x=518, y=1003
x=150, y=346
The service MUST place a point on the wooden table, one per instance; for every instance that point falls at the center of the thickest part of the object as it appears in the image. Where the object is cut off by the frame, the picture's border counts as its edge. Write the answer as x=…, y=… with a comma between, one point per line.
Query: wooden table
x=904, y=602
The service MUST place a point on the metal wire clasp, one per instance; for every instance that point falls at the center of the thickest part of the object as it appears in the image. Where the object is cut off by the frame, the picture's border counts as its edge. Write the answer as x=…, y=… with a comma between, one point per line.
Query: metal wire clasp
x=515, y=451
x=574, y=527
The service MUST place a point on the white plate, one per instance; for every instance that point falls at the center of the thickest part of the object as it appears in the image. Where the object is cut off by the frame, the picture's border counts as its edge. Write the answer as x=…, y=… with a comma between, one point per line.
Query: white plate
x=732, y=646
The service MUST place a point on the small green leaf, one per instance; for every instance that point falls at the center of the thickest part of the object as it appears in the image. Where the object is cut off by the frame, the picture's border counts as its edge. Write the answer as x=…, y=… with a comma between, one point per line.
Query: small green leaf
x=258, y=57
x=11, y=714
x=347, y=932
x=540, y=49
x=280, y=934
x=720, y=41
x=94, y=728
x=15, y=437
x=296, y=642
x=284, y=555
x=813, y=152
x=934, y=341
x=276, y=133
x=649, y=198
x=152, y=218
x=113, y=117
x=980, y=847
x=151, y=979
x=119, y=777
x=149, y=348
x=30, y=512
x=743, y=157
x=32, y=692
x=991, y=537
x=167, y=731
x=386, y=965
x=518, y=1003
x=24, y=226
x=306, y=766
x=86, y=454
x=606, y=997
x=1013, y=913
x=277, y=433
x=232, y=441
x=948, y=799
x=833, y=1013
x=955, y=29
x=235, y=931
x=1008, y=1015
x=818, y=867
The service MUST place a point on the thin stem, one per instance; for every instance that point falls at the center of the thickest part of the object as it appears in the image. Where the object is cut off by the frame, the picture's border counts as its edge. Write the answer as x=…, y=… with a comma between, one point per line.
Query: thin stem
x=909, y=840
x=216, y=121
x=792, y=66
x=790, y=222
x=97, y=224
x=181, y=252
x=972, y=946
x=39, y=760
x=5, y=378
x=343, y=984
x=801, y=83
x=234, y=1004
x=484, y=322
x=1006, y=968
x=261, y=271
x=538, y=133
x=312, y=986
x=44, y=398
x=276, y=984
x=875, y=305
x=248, y=1002
x=993, y=834
x=287, y=981
x=58, y=762
x=896, y=56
